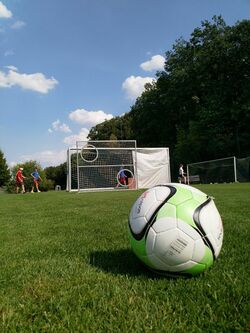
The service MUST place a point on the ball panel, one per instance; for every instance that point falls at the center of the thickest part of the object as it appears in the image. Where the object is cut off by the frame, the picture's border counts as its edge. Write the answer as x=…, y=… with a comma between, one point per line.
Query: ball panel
x=143, y=203
x=186, y=210
x=197, y=268
x=182, y=194
x=156, y=263
x=139, y=247
x=173, y=247
x=167, y=210
x=137, y=225
x=162, y=248
x=185, y=268
x=151, y=210
x=164, y=224
x=150, y=241
x=208, y=258
x=203, y=263
x=199, y=250
x=196, y=194
x=188, y=230
x=145, y=207
x=162, y=192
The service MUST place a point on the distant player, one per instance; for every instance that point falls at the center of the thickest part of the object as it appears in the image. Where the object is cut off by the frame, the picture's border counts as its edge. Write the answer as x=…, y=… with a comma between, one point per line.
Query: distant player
x=36, y=179
x=182, y=175
x=122, y=177
x=19, y=180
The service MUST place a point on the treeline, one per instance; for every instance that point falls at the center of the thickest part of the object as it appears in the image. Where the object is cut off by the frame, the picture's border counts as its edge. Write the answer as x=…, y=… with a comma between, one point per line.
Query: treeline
x=51, y=176
x=199, y=105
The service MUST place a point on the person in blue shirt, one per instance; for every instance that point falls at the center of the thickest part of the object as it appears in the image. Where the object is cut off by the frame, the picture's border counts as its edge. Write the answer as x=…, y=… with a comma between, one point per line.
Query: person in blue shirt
x=122, y=177
x=36, y=179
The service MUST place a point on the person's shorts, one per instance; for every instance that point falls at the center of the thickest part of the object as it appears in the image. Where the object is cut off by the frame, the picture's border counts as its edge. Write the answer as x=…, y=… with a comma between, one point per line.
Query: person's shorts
x=19, y=184
x=35, y=181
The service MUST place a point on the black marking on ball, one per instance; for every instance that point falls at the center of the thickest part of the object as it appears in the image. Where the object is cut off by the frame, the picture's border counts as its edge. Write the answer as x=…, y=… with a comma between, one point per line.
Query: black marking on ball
x=199, y=229
x=145, y=230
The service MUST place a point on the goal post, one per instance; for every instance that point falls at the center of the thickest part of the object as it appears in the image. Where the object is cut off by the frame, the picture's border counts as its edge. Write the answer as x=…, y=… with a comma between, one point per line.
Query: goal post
x=72, y=184
x=115, y=165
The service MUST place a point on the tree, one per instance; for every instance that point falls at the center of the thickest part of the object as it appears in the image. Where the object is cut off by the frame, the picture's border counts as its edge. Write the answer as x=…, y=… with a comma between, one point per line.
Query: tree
x=119, y=127
x=199, y=105
x=57, y=174
x=28, y=168
x=4, y=170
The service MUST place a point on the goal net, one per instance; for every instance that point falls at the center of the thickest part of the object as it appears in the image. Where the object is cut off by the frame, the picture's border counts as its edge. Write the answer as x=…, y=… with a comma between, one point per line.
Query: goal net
x=115, y=165
x=103, y=165
x=214, y=171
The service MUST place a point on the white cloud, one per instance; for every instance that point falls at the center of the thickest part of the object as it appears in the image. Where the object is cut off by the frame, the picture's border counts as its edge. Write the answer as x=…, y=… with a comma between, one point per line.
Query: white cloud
x=8, y=53
x=64, y=128
x=82, y=136
x=89, y=118
x=12, y=68
x=35, y=82
x=59, y=127
x=4, y=11
x=18, y=25
x=135, y=85
x=156, y=63
x=46, y=157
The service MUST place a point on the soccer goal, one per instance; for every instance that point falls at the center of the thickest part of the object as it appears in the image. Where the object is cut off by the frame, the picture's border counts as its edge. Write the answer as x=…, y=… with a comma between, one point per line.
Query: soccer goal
x=115, y=165
x=221, y=170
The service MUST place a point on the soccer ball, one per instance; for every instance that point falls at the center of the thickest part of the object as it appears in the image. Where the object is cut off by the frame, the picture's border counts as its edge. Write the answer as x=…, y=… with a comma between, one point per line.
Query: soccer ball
x=175, y=229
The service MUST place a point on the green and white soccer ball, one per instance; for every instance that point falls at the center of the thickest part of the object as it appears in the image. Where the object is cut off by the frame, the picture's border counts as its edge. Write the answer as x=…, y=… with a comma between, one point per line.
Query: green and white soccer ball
x=175, y=229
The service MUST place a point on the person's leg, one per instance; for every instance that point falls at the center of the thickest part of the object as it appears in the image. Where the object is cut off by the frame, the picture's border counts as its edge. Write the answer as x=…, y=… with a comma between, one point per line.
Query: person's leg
x=37, y=187
x=23, y=188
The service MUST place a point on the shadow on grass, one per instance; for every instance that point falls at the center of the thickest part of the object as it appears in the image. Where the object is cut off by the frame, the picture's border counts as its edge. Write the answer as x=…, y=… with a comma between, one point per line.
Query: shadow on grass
x=122, y=262
x=119, y=262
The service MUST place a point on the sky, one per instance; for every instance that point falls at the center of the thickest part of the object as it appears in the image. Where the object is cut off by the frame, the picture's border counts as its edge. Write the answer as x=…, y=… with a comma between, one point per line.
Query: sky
x=66, y=66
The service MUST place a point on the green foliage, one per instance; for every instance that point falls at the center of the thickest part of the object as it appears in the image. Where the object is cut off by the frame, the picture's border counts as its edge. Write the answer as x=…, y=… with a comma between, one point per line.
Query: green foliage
x=28, y=168
x=67, y=266
x=4, y=171
x=57, y=175
x=199, y=107
x=118, y=127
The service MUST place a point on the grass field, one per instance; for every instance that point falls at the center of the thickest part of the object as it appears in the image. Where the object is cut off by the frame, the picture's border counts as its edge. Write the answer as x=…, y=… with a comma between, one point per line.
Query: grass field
x=66, y=266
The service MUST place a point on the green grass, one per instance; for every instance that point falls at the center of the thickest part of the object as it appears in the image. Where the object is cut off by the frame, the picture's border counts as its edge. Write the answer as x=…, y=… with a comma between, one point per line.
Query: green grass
x=67, y=266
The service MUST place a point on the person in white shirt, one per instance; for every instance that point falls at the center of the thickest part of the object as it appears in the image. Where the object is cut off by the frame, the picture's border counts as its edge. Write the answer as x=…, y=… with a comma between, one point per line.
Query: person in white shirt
x=182, y=175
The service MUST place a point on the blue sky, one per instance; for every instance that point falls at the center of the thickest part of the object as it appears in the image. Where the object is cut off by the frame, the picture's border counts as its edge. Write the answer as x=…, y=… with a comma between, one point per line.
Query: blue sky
x=68, y=65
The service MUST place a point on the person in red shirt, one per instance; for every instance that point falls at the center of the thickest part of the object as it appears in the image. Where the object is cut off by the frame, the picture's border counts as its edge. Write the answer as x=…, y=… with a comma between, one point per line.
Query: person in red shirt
x=19, y=180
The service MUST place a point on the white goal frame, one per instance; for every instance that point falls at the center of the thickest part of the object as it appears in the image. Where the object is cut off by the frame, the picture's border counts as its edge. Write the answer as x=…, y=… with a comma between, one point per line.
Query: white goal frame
x=152, y=168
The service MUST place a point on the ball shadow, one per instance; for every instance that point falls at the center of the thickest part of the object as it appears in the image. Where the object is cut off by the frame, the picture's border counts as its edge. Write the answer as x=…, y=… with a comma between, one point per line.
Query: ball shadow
x=119, y=262
x=123, y=262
